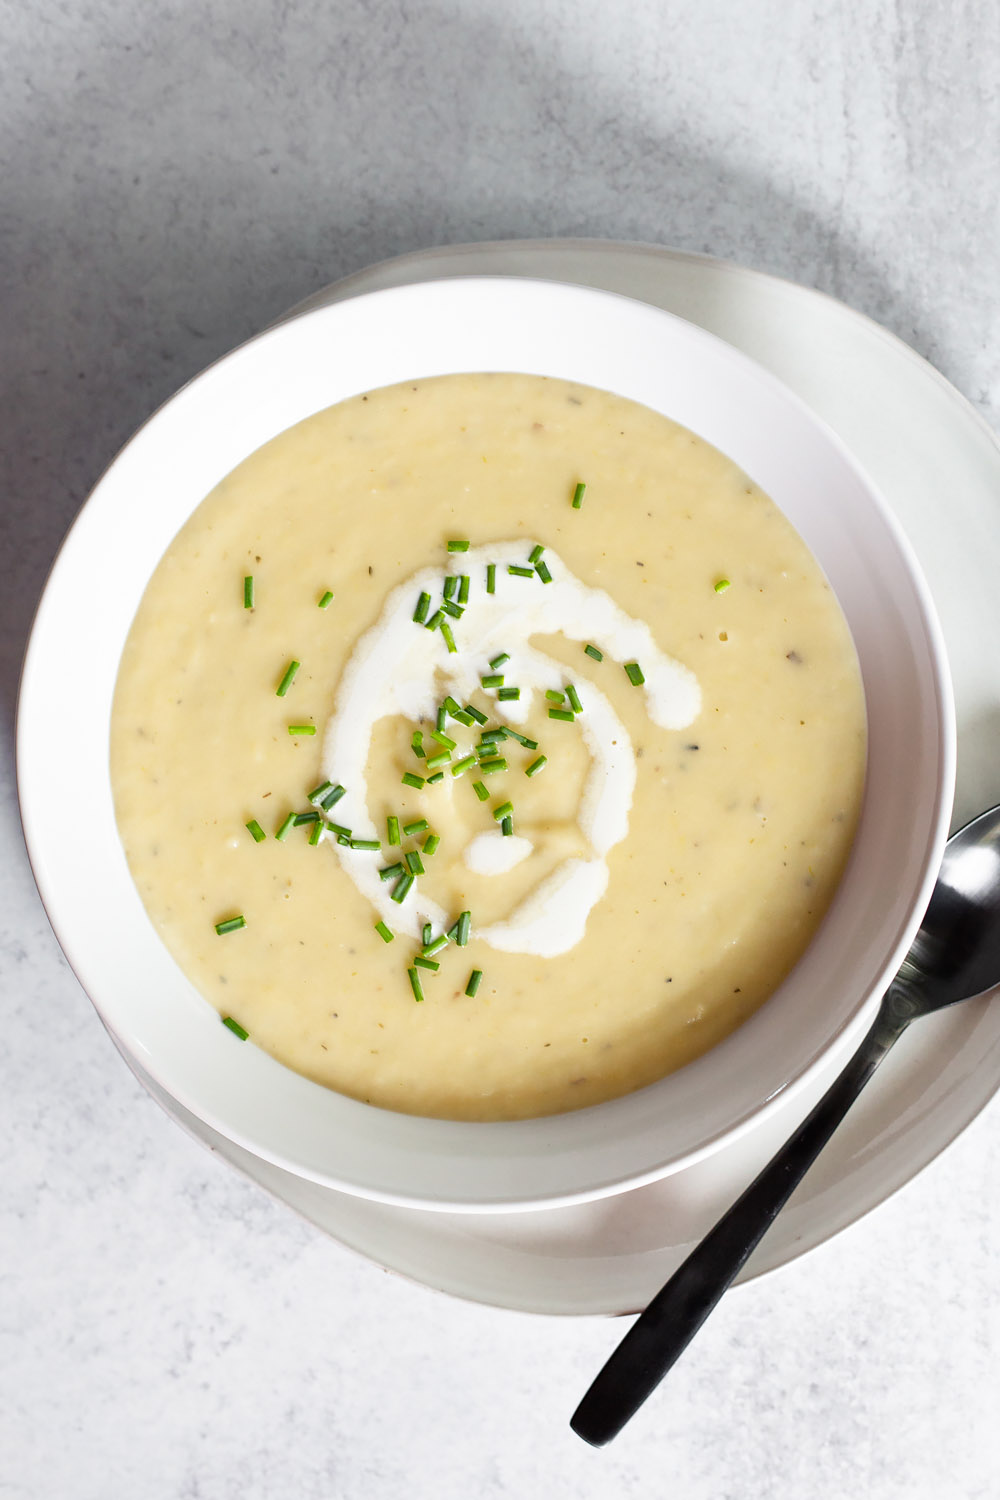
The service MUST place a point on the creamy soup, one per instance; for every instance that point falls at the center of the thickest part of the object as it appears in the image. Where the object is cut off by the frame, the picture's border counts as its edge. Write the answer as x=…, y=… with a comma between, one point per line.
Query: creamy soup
x=487, y=747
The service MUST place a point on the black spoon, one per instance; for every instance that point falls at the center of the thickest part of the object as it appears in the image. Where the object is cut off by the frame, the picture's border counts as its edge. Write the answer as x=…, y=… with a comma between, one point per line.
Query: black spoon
x=954, y=956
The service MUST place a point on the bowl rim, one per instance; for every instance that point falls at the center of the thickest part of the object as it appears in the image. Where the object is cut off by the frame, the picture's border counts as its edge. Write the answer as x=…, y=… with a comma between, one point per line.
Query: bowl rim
x=501, y=1195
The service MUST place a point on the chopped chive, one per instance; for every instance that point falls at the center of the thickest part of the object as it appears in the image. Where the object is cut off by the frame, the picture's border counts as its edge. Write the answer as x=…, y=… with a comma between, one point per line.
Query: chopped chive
x=408, y=779
x=491, y=736
x=480, y=791
x=384, y=932
x=508, y=694
x=463, y=765
x=433, y=780
x=343, y=840
x=389, y=872
x=231, y=924
x=430, y=843
x=415, y=985
x=412, y=829
x=319, y=792
x=475, y=979
x=721, y=584
x=414, y=863
x=474, y=713
x=422, y=610
x=458, y=546
x=491, y=578
x=450, y=588
x=454, y=611
x=392, y=828
x=463, y=588
x=492, y=680
x=535, y=553
x=490, y=767
x=450, y=706
x=302, y=729
x=519, y=572
x=507, y=827
x=436, y=619
x=633, y=672
x=554, y=696
x=498, y=661
x=343, y=834
x=248, y=591
x=285, y=829
x=426, y=934
x=522, y=739
x=442, y=715
x=316, y=832
x=593, y=652
x=287, y=679
x=578, y=495
x=449, y=639
x=332, y=797
x=566, y=714
x=574, y=698
x=542, y=569
x=235, y=1028
x=441, y=759
x=401, y=889
x=417, y=744
x=366, y=844
x=435, y=945
x=464, y=718
x=325, y=600
x=443, y=739
x=426, y=963
x=256, y=832
x=452, y=933
x=464, y=928
x=504, y=810
x=536, y=766
x=307, y=817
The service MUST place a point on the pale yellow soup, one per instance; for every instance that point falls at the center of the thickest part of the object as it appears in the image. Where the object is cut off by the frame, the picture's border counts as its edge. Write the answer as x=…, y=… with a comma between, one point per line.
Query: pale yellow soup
x=740, y=823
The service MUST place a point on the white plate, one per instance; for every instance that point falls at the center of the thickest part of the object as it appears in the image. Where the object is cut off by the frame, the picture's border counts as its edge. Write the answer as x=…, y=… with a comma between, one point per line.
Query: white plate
x=931, y=456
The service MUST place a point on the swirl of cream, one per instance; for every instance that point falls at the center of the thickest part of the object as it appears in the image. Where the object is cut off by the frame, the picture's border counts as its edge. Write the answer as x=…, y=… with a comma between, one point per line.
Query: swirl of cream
x=398, y=669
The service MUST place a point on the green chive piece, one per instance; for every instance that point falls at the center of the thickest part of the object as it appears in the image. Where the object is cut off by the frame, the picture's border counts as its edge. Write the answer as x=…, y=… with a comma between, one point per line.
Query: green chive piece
x=535, y=553
x=442, y=715
x=503, y=810
x=491, y=736
x=235, y=1028
x=415, y=985
x=522, y=739
x=435, y=945
x=508, y=694
x=285, y=829
x=384, y=932
x=256, y=832
x=442, y=759
x=507, y=827
x=449, y=639
x=401, y=889
x=231, y=924
x=519, y=572
x=452, y=933
x=574, y=698
x=389, y=872
x=450, y=707
x=458, y=546
x=492, y=680
x=443, y=739
x=412, y=829
x=332, y=797
x=430, y=843
x=474, y=713
x=542, y=569
x=566, y=714
x=450, y=588
x=536, y=766
x=414, y=863
x=491, y=767
x=422, y=610
x=343, y=834
x=465, y=764
x=475, y=979
x=436, y=619
x=433, y=780
x=578, y=495
x=480, y=791
x=454, y=611
x=371, y=845
x=417, y=744
x=491, y=578
x=426, y=963
x=343, y=840
x=464, y=582
x=309, y=817
x=319, y=792
x=248, y=591
x=464, y=928
x=325, y=600
x=392, y=829
x=426, y=934
x=464, y=718
x=408, y=779
x=721, y=584
x=302, y=729
x=554, y=696
x=497, y=661
x=316, y=833
x=593, y=652
x=633, y=672
x=288, y=679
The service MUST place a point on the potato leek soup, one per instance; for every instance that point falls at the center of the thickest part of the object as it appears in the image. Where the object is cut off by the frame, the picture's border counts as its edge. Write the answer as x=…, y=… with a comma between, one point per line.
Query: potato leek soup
x=487, y=747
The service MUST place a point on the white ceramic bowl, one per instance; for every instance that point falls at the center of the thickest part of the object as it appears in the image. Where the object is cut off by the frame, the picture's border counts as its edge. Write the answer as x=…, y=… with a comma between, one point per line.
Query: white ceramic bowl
x=299, y=368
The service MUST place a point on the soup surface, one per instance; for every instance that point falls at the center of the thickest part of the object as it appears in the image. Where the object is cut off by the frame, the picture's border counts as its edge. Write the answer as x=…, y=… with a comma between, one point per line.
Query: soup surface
x=641, y=710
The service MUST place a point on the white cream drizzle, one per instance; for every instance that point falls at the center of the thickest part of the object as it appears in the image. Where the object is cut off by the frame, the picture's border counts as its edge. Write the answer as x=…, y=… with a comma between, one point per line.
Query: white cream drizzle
x=397, y=668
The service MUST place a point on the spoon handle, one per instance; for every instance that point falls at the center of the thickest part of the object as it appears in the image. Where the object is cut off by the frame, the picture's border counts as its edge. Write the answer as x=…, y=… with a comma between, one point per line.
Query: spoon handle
x=657, y=1340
